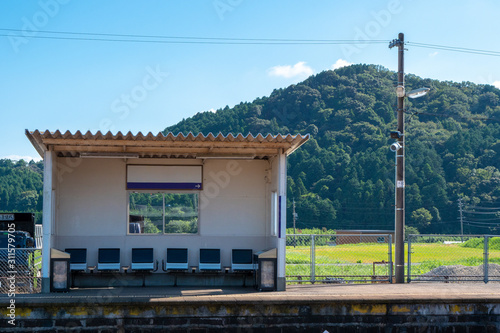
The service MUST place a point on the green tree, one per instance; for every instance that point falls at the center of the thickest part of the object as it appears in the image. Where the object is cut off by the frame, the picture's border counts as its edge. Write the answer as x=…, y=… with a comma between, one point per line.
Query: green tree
x=421, y=218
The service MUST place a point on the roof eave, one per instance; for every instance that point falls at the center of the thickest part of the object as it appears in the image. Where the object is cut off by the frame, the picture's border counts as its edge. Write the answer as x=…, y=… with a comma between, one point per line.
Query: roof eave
x=150, y=145
x=39, y=146
x=298, y=144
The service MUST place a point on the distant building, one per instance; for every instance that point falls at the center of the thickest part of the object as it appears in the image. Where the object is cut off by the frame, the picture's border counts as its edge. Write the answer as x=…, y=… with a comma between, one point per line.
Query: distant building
x=364, y=236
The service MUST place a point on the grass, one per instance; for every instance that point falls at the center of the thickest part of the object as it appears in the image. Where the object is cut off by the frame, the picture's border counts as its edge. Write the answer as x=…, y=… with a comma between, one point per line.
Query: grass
x=358, y=259
x=478, y=243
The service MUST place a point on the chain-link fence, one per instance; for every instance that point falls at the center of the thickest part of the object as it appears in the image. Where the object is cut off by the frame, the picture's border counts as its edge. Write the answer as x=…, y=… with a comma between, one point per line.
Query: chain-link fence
x=20, y=271
x=339, y=258
x=453, y=258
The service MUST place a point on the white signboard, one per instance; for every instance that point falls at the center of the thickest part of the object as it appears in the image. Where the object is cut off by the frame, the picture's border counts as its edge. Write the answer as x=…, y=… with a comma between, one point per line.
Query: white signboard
x=164, y=177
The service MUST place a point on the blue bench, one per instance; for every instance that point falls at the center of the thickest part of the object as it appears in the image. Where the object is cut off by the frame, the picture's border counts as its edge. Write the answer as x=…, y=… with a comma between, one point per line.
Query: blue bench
x=143, y=259
x=108, y=259
x=209, y=260
x=177, y=259
x=78, y=259
x=242, y=260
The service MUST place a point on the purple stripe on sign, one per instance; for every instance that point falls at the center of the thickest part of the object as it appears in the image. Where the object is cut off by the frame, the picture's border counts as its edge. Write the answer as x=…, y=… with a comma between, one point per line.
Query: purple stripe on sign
x=163, y=186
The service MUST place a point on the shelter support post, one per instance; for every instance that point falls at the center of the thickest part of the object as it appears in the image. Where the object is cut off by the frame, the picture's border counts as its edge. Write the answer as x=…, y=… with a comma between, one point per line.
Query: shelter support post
x=281, y=281
x=48, y=162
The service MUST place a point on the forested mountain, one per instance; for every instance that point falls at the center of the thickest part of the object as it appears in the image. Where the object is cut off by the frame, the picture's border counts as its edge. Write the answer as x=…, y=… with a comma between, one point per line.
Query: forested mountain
x=21, y=186
x=343, y=177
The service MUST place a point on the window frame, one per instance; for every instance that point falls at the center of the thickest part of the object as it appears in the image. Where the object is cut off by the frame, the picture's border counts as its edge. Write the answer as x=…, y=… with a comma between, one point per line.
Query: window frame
x=162, y=232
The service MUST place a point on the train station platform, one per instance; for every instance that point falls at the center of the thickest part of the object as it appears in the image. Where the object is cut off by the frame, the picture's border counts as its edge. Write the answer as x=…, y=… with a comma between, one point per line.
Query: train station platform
x=439, y=307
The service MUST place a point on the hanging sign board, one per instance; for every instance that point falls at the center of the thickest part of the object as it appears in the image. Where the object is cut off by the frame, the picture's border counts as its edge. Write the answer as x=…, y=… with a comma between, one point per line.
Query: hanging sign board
x=164, y=177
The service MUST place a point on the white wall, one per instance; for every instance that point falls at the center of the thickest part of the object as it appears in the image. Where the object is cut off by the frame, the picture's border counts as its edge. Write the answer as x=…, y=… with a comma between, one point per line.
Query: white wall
x=233, y=201
x=92, y=199
x=92, y=205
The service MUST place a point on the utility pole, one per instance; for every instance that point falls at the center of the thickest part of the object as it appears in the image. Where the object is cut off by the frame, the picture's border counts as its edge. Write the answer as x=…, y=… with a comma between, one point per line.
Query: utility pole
x=400, y=165
x=460, y=206
x=294, y=233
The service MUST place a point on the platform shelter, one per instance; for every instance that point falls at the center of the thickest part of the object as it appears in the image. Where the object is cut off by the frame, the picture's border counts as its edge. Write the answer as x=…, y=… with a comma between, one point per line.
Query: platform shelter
x=127, y=191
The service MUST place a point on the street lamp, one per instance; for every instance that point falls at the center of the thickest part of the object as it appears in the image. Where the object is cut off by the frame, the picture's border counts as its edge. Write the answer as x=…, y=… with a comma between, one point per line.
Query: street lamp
x=398, y=148
x=416, y=93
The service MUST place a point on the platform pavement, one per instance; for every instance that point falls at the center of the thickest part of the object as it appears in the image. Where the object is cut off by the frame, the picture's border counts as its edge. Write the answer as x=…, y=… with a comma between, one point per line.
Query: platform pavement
x=339, y=308
x=429, y=292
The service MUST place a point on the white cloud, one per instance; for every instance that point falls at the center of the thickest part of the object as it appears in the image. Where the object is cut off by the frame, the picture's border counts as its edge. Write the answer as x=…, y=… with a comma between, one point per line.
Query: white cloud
x=212, y=110
x=18, y=157
x=496, y=84
x=340, y=63
x=432, y=55
x=299, y=69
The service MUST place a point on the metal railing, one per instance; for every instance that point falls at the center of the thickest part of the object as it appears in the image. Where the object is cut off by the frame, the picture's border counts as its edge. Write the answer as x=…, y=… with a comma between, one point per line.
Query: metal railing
x=20, y=271
x=339, y=258
x=453, y=258
x=38, y=236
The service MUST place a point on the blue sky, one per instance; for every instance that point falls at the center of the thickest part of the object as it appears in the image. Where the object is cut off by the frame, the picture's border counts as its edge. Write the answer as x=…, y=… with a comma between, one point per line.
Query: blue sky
x=96, y=85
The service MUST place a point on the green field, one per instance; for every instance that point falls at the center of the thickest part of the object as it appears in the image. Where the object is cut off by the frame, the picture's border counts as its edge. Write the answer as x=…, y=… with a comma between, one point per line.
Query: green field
x=358, y=259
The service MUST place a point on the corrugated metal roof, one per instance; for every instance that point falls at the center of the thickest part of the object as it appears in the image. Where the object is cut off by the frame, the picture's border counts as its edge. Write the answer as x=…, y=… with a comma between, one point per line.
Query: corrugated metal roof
x=164, y=146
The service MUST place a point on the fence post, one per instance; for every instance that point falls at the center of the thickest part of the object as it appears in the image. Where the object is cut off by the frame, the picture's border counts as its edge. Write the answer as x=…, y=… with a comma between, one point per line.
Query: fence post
x=409, y=259
x=485, y=266
x=313, y=260
x=390, y=258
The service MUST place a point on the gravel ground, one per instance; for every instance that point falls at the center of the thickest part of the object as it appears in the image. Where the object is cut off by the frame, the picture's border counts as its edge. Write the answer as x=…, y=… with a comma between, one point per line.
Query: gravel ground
x=460, y=272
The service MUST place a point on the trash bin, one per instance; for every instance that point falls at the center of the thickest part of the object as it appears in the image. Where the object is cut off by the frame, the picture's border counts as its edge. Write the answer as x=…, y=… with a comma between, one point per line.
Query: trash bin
x=59, y=271
x=267, y=270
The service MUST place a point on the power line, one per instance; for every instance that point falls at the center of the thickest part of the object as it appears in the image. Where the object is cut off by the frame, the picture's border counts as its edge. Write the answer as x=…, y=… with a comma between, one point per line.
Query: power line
x=484, y=208
x=444, y=222
x=485, y=225
x=455, y=49
x=183, y=42
x=191, y=37
x=162, y=39
x=108, y=37
x=484, y=220
x=480, y=213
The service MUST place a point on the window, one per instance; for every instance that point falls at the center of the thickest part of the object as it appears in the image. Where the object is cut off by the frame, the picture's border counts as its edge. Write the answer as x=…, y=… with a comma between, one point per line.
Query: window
x=163, y=213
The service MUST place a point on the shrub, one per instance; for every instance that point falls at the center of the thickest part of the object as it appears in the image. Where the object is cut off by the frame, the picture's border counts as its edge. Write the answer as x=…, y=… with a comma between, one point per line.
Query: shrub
x=478, y=243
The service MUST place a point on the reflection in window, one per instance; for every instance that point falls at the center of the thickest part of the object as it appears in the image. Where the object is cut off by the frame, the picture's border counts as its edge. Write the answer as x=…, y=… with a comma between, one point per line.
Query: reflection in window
x=169, y=213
